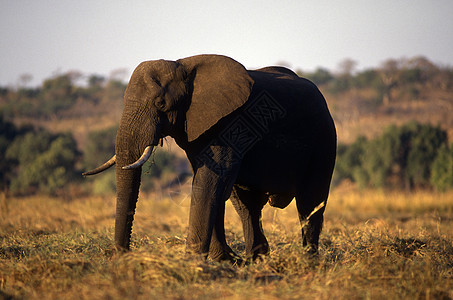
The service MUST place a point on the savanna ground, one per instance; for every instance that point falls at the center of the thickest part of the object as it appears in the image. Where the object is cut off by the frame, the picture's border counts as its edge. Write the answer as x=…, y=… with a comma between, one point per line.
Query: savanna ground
x=375, y=245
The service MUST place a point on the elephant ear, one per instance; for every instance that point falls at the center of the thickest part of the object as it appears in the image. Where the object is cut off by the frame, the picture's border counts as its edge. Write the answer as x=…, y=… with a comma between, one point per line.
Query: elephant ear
x=220, y=85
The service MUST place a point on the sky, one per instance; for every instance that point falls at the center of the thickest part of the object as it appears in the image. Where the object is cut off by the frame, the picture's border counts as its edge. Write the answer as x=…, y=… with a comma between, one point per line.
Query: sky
x=44, y=38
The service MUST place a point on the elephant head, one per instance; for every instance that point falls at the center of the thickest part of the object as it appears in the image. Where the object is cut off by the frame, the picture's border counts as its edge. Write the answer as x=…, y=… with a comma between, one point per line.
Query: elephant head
x=182, y=99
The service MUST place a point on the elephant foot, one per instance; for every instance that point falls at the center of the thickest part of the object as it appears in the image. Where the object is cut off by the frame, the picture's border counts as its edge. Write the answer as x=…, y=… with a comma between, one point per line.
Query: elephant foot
x=218, y=255
x=311, y=250
x=191, y=255
x=119, y=249
x=258, y=252
x=193, y=251
x=229, y=256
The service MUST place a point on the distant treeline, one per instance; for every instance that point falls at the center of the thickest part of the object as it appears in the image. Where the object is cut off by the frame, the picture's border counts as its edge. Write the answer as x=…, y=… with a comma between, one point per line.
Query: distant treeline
x=37, y=161
x=34, y=160
x=410, y=76
x=61, y=96
x=413, y=156
x=31, y=161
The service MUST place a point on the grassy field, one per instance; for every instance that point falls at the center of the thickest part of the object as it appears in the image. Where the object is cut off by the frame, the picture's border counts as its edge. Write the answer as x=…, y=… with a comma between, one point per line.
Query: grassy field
x=375, y=245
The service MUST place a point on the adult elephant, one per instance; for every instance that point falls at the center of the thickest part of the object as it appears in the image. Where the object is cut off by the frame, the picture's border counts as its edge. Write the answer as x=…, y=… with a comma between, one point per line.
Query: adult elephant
x=251, y=136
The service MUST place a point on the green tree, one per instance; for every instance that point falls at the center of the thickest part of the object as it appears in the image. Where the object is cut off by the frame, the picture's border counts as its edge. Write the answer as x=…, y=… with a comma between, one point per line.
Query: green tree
x=320, y=76
x=57, y=94
x=390, y=73
x=3, y=91
x=94, y=90
x=8, y=133
x=45, y=162
x=95, y=81
x=424, y=145
x=164, y=169
x=349, y=161
x=114, y=90
x=442, y=169
x=407, y=153
x=100, y=145
x=368, y=78
x=400, y=157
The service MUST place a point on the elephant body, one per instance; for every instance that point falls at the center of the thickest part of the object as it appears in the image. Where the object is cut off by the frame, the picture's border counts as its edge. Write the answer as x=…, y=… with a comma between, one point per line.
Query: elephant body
x=304, y=128
x=251, y=136
x=284, y=148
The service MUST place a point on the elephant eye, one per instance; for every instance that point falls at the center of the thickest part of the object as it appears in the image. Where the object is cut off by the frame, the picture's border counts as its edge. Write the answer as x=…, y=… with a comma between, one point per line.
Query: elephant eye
x=159, y=102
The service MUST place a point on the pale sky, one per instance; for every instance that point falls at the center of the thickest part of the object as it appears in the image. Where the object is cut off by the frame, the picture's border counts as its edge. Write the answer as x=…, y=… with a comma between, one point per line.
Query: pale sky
x=43, y=37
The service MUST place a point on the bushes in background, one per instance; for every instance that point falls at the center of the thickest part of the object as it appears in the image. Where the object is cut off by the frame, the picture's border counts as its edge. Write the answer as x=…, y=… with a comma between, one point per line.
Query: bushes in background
x=411, y=156
x=162, y=169
x=36, y=160
x=442, y=169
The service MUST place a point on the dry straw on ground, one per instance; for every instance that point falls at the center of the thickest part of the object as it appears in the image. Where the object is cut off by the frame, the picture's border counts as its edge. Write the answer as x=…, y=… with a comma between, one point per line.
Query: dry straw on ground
x=374, y=245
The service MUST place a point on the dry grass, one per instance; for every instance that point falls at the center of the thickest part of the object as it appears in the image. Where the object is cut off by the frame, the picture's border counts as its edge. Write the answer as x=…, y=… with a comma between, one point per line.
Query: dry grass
x=374, y=245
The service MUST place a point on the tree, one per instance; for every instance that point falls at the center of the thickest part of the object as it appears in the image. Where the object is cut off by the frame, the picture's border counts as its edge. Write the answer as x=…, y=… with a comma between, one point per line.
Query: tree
x=424, y=66
x=114, y=90
x=368, y=78
x=349, y=161
x=100, y=144
x=442, y=169
x=424, y=145
x=95, y=81
x=163, y=168
x=343, y=81
x=401, y=157
x=406, y=154
x=25, y=79
x=320, y=76
x=57, y=94
x=389, y=72
x=45, y=162
x=8, y=133
x=347, y=67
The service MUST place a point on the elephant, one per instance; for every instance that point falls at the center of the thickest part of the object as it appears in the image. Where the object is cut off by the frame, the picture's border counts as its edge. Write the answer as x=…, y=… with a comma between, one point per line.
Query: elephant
x=251, y=136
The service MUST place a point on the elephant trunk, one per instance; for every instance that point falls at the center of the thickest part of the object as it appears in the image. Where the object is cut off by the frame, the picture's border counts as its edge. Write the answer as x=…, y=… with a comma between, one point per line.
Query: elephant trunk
x=135, y=136
x=127, y=187
x=128, y=177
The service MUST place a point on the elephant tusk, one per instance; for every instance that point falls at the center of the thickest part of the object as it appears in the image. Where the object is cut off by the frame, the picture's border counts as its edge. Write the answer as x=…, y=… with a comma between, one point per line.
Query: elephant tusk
x=104, y=167
x=145, y=156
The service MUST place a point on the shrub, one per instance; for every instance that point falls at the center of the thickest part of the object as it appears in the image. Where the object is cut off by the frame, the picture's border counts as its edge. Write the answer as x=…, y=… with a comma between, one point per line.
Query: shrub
x=442, y=169
x=349, y=160
x=424, y=144
x=45, y=162
x=8, y=133
x=320, y=76
x=104, y=184
x=163, y=168
x=400, y=157
x=99, y=146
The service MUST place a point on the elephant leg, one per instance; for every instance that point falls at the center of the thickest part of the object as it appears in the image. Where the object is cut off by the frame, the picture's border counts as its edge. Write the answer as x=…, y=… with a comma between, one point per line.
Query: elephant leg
x=311, y=225
x=219, y=249
x=311, y=201
x=248, y=205
x=209, y=192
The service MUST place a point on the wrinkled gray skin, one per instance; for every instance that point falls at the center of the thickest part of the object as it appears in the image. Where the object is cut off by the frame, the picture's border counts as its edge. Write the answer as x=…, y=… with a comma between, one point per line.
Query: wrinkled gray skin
x=242, y=144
